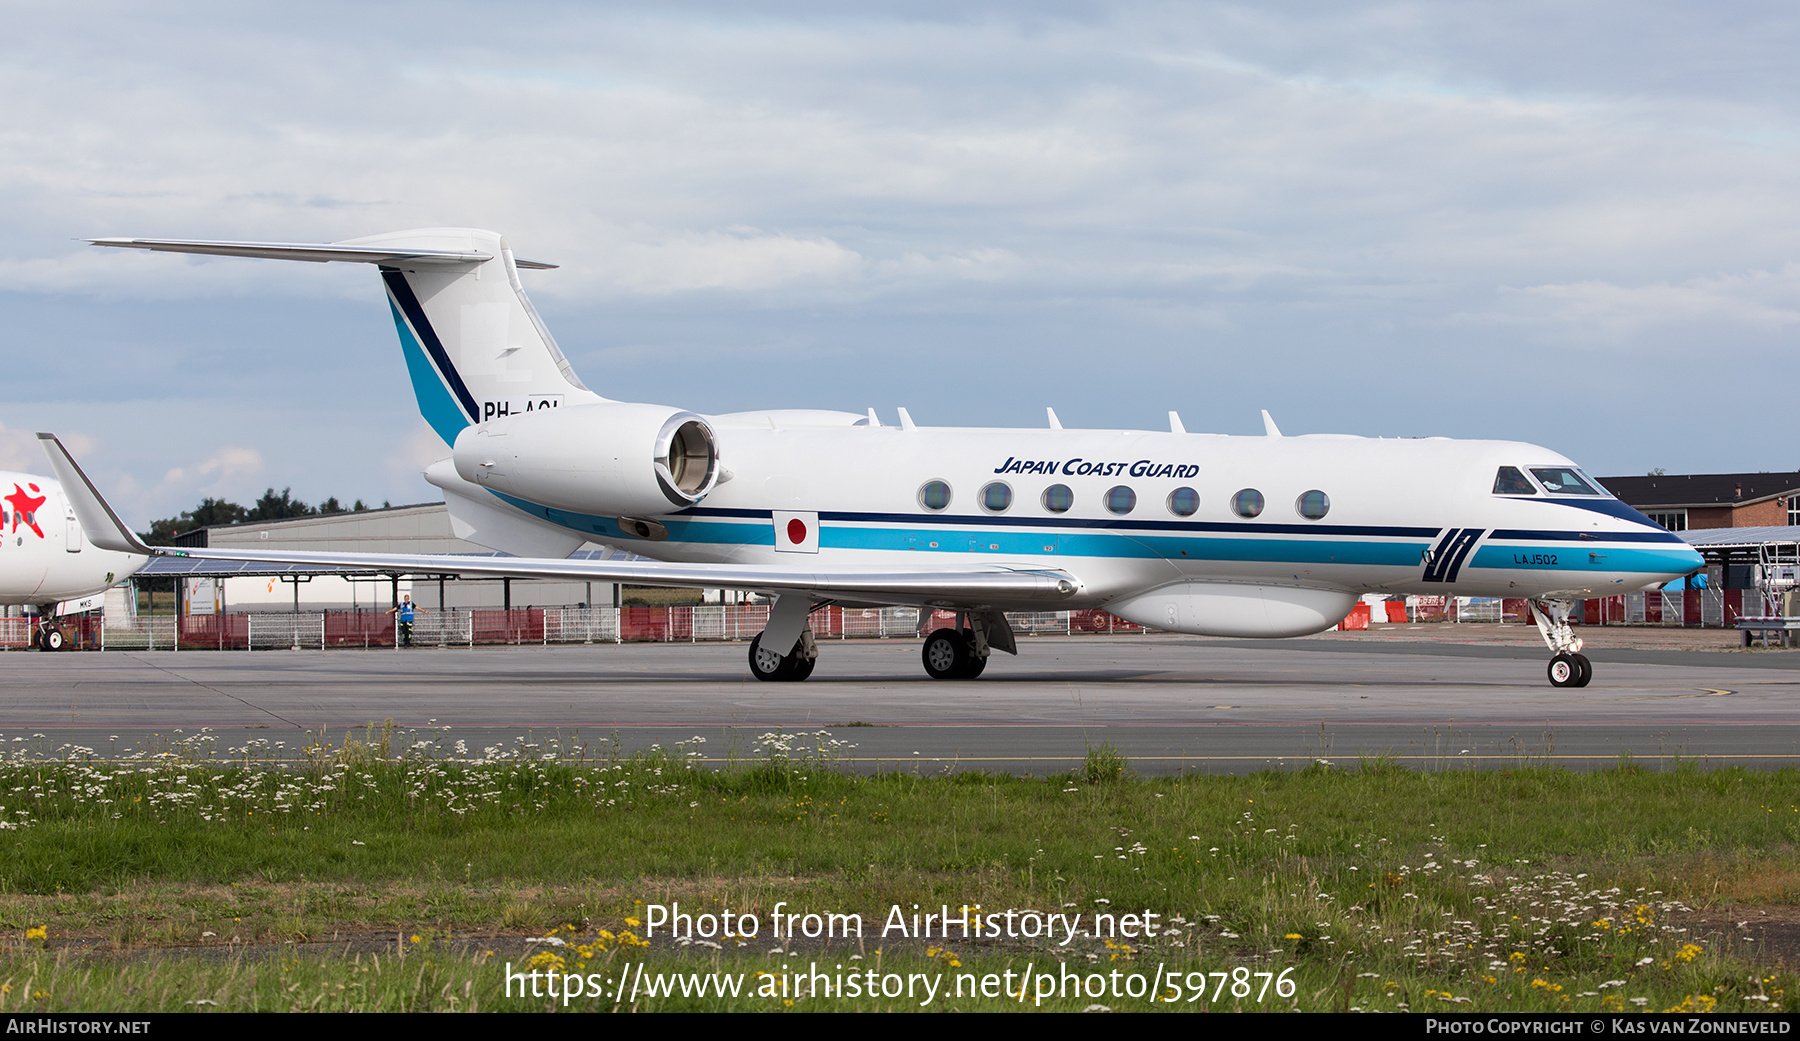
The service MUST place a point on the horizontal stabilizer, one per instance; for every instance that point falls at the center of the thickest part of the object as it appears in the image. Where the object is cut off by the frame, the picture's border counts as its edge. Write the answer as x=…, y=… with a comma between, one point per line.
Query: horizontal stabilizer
x=317, y=253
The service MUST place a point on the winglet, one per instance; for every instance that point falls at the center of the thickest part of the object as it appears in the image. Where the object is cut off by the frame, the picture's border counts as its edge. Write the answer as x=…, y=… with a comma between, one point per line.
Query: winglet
x=1269, y=427
x=98, y=521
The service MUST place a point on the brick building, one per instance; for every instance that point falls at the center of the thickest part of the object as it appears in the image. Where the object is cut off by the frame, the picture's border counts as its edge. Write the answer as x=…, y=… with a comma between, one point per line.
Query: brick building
x=1683, y=502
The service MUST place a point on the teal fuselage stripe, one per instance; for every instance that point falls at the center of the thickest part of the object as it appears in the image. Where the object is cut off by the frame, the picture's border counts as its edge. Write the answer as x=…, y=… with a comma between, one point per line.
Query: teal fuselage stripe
x=1015, y=543
x=435, y=403
x=1539, y=557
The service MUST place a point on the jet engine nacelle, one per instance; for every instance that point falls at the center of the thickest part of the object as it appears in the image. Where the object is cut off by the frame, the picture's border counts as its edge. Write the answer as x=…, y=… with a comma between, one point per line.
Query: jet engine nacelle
x=609, y=459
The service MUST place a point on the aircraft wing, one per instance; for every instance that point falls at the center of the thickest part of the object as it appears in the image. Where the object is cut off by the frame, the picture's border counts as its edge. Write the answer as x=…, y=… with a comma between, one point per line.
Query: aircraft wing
x=973, y=584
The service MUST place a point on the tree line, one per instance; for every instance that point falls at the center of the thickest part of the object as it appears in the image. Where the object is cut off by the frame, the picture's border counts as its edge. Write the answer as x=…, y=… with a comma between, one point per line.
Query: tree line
x=272, y=506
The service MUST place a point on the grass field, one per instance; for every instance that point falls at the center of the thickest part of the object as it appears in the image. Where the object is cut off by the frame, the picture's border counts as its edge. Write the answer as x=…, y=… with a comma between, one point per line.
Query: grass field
x=391, y=873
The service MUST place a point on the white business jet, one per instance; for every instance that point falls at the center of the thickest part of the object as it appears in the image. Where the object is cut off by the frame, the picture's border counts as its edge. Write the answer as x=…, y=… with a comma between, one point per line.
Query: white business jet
x=45, y=562
x=1266, y=536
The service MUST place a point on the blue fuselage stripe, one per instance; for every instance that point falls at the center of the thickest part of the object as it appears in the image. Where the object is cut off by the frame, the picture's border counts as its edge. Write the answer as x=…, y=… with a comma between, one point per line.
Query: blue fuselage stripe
x=1107, y=523
x=1587, y=557
x=953, y=535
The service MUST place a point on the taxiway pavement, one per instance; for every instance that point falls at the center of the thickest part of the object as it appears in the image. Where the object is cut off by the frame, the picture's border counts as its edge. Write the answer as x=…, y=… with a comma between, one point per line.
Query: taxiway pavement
x=1170, y=703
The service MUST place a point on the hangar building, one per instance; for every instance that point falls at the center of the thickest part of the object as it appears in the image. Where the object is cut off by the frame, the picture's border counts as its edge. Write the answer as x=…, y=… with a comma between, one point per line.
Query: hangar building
x=210, y=587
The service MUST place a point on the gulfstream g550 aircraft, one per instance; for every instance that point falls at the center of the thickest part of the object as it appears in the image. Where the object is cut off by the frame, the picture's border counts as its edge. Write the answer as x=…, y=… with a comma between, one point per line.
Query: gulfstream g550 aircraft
x=1196, y=533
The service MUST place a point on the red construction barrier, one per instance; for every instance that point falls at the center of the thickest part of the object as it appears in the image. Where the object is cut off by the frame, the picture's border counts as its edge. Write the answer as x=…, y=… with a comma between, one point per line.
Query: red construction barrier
x=351, y=629
x=215, y=632
x=520, y=625
x=1358, y=618
x=828, y=623
x=81, y=632
x=1097, y=621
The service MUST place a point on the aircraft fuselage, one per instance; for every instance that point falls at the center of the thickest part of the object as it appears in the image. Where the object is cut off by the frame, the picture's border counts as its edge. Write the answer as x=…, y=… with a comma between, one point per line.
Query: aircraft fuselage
x=1128, y=512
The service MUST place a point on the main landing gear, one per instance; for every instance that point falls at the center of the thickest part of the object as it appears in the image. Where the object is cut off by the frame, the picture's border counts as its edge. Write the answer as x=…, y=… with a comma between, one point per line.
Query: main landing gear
x=952, y=655
x=962, y=653
x=1569, y=667
x=787, y=629
x=792, y=667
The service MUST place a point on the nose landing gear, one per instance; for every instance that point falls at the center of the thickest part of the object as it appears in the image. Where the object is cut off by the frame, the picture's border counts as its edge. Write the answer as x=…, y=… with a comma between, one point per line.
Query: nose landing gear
x=1568, y=667
x=46, y=634
x=1570, y=670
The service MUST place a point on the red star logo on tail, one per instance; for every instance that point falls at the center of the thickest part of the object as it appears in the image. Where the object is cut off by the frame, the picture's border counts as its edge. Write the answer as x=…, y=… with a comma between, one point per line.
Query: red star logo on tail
x=24, y=508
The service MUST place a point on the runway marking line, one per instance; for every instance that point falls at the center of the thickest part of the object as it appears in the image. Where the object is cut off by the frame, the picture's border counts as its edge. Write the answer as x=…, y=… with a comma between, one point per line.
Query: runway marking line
x=1705, y=692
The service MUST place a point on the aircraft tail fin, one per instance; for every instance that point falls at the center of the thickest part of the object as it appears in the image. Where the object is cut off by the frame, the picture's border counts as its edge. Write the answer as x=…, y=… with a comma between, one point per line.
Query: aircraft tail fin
x=475, y=347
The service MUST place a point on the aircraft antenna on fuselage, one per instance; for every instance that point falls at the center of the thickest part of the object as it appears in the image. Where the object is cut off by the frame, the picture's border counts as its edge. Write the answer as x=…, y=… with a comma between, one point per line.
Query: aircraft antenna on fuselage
x=1175, y=426
x=1269, y=427
x=906, y=422
x=1055, y=424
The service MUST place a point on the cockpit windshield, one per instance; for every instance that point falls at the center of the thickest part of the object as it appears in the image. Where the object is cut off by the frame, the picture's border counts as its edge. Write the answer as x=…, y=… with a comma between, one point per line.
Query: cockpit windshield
x=1564, y=480
x=1509, y=481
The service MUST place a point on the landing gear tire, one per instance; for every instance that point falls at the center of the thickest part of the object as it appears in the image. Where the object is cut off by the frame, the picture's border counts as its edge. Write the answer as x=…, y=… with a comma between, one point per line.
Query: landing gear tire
x=776, y=668
x=946, y=655
x=950, y=655
x=1570, y=670
x=51, y=639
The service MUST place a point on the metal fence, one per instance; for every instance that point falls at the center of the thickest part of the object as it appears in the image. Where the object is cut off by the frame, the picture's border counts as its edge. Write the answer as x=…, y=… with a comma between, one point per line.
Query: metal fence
x=317, y=630
x=1692, y=607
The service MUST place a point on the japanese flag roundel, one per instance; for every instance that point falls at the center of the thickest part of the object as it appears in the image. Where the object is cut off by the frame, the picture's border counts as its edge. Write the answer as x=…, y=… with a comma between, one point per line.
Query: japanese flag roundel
x=796, y=532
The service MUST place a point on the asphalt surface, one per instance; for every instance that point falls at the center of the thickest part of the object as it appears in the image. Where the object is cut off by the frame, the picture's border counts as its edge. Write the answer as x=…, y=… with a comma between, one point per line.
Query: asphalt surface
x=1169, y=703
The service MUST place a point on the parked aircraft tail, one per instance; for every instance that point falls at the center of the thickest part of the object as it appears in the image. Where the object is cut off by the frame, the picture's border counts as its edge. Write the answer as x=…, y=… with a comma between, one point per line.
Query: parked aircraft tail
x=475, y=347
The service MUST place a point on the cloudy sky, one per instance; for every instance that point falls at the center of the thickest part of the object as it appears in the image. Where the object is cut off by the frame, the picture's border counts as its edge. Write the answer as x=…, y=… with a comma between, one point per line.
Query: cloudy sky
x=1567, y=224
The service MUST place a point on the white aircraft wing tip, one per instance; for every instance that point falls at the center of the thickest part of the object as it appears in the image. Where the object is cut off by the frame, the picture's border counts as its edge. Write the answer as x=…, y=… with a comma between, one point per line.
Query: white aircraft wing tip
x=98, y=521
